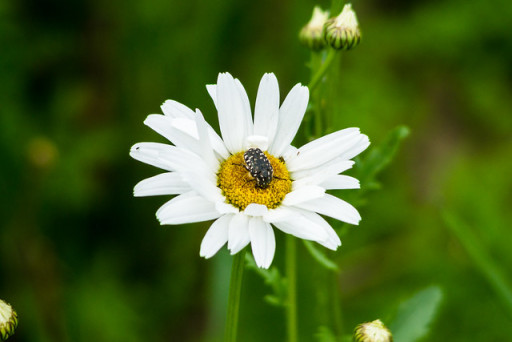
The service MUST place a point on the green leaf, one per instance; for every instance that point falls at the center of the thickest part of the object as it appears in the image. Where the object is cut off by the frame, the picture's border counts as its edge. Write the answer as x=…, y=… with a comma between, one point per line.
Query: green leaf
x=272, y=278
x=381, y=155
x=320, y=256
x=487, y=267
x=274, y=300
x=415, y=315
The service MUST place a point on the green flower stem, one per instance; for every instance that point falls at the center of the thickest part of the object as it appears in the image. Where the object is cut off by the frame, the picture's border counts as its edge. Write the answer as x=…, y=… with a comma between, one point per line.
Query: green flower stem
x=311, y=121
x=235, y=288
x=291, y=276
x=317, y=124
x=318, y=116
x=336, y=307
x=317, y=77
x=332, y=92
x=316, y=61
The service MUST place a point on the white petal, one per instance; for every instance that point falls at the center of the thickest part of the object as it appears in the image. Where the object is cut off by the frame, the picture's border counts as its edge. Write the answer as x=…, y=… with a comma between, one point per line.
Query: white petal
x=189, y=127
x=218, y=145
x=186, y=126
x=212, y=90
x=187, y=208
x=226, y=208
x=255, y=209
x=233, y=118
x=246, y=105
x=238, y=235
x=324, y=149
x=359, y=147
x=186, y=162
x=290, y=152
x=169, y=183
x=334, y=207
x=258, y=141
x=215, y=237
x=290, y=116
x=334, y=167
x=281, y=213
x=331, y=168
x=303, y=194
x=160, y=124
x=176, y=110
x=333, y=241
x=293, y=221
x=263, y=242
x=327, y=179
x=302, y=227
x=340, y=182
x=149, y=153
x=205, y=144
x=172, y=130
x=203, y=186
x=266, y=112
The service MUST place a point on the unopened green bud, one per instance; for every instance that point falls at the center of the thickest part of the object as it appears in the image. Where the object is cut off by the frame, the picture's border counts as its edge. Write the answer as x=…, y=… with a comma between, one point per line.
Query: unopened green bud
x=311, y=35
x=374, y=331
x=342, y=32
x=8, y=320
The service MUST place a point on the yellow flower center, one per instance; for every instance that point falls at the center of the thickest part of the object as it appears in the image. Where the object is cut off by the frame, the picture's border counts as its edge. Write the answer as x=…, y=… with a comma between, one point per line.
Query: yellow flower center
x=239, y=187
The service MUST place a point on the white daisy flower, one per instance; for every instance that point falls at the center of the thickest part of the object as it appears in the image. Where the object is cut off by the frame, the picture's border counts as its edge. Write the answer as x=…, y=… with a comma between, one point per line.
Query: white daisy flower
x=252, y=179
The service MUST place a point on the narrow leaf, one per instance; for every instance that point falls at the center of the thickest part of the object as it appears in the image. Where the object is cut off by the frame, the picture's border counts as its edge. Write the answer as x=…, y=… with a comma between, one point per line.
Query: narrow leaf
x=487, y=267
x=415, y=315
x=320, y=256
x=382, y=155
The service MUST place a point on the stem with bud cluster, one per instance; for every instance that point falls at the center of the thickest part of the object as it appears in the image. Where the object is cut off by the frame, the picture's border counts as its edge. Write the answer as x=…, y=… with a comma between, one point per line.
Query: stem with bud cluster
x=319, y=74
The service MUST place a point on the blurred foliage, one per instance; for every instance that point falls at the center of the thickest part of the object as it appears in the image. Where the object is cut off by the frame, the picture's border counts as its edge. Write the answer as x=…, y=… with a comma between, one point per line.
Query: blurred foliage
x=272, y=278
x=82, y=260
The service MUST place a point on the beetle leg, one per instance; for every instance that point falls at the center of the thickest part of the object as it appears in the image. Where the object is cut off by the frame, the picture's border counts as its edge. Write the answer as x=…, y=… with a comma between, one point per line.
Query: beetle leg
x=281, y=178
x=248, y=180
x=245, y=166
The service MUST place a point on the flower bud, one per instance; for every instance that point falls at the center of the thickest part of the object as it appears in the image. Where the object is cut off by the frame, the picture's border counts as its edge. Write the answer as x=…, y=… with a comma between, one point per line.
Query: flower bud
x=8, y=320
x=374, y=331
x=311, y=35
x=342, y=32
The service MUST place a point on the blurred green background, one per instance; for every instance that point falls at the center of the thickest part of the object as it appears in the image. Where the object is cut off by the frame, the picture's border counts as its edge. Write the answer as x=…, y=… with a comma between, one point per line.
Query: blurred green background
x=82, y=260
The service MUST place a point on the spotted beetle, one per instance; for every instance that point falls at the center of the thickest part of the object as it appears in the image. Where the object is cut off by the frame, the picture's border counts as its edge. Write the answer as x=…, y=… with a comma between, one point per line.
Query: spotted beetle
x=259, y=167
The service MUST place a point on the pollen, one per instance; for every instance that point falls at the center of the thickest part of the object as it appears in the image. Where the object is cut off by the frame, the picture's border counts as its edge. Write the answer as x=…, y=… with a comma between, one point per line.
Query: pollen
x=240, y=188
